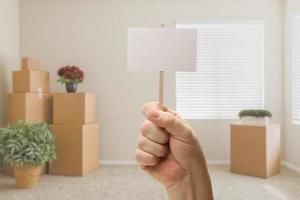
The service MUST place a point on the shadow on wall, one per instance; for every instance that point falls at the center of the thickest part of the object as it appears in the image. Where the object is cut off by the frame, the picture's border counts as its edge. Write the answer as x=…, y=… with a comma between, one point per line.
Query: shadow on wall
x=3, y=94
x=3, y=91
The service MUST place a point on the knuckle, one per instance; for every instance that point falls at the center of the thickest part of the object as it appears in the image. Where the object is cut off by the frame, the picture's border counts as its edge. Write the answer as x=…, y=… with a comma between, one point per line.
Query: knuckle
x=146, y=126
x=145, y=107
x=141, y=143
x=137, y=155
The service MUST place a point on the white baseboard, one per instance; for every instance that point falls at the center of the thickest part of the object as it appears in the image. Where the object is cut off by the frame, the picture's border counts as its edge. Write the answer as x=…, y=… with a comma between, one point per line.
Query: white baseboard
x=218, y=162
x=133, y=162
x=291, y=166
x=209, y=162
x=118, y=162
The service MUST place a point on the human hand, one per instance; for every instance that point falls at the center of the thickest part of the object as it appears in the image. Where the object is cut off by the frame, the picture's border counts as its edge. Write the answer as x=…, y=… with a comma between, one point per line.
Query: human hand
x=170, y=152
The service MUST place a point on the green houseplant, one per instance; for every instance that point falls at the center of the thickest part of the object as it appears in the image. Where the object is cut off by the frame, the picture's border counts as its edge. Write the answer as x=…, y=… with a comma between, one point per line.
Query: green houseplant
x=256, y=117
x=27, y=147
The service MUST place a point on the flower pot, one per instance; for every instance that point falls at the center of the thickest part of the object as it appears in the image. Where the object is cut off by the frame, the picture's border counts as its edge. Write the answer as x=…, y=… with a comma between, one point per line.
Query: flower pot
x=71, y=87
x=258, y=121
x=27, y=176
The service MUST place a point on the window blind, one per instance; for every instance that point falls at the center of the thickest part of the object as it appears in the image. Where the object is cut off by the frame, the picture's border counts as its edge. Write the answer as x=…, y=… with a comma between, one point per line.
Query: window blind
x=230, y=72
x=296, y=71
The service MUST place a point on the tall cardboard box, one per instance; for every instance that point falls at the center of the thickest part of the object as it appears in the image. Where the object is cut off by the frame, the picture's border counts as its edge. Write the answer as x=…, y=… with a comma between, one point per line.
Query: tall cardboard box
x=74, y=108
x=31, y=81
x=77, y=148
x=31, y=107
x=255, y=150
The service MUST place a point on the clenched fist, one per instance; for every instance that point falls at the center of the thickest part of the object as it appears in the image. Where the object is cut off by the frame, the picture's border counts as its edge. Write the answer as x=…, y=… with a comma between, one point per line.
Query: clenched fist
x=169, y=151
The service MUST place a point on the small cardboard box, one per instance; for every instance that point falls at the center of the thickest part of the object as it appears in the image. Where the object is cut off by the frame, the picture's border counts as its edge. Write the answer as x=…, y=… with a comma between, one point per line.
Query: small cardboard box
x=31, y=81
x=31, y=107
x=30, y=63
x=255, y=150
x=74, y=108
x=77, y=149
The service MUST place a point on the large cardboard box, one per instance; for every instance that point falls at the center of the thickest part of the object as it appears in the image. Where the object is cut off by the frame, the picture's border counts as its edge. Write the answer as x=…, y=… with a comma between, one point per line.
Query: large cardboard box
x=255, y=150
x=74, y=108
x=31, y=81
x=31, y=107
x=77, y=148
x=30, y=63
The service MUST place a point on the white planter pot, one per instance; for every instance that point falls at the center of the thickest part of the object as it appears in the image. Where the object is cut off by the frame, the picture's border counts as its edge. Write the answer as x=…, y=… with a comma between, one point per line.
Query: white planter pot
x=258, y=121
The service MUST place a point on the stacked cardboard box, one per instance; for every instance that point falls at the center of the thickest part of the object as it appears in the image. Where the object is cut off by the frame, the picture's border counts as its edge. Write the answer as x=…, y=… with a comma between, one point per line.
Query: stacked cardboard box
x=77, y=134
x=255, y=150
x=30, y=99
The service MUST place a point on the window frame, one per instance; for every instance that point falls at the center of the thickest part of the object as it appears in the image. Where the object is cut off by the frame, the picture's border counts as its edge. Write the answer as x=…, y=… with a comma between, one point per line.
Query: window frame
x=295, y=17
x=258, y=22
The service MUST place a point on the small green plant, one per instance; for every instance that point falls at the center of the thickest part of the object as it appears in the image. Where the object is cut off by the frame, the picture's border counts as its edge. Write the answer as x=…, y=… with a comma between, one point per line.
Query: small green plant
x=24, y=143
x=255, y=113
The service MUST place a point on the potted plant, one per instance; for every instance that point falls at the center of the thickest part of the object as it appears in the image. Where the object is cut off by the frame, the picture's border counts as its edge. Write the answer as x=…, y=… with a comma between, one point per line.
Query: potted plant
x=26, y=147
x=255, y=117
x=70, y=76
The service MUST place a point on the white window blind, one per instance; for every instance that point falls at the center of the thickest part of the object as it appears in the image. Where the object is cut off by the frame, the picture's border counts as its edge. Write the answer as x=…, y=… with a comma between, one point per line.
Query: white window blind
x=230, y=72
x=296, y=71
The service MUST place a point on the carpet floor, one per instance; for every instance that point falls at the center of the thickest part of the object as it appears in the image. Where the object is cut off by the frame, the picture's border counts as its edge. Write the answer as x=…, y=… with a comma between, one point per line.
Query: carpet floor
x=130, y=183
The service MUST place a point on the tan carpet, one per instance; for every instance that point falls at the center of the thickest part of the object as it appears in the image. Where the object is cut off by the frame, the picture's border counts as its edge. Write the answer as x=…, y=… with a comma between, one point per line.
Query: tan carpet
x=130, y=183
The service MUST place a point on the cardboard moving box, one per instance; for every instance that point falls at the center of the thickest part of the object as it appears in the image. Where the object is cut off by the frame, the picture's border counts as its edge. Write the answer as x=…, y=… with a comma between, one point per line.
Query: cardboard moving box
x=31, y=107
x=74, y=108
x=30, y=63
x=77, y=148
x=255, y=150
x=31, y=81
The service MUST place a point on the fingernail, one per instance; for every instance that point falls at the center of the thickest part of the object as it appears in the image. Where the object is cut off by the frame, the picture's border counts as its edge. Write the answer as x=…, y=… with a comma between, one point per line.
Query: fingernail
x=155, y=114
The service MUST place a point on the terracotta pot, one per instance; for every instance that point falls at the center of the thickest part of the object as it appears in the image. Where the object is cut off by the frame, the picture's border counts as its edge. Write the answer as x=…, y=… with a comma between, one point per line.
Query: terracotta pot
x=71, y=87
x=27, y=176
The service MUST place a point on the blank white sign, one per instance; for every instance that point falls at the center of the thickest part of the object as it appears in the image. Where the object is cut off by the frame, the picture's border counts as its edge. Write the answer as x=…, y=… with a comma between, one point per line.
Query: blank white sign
x=162, y=49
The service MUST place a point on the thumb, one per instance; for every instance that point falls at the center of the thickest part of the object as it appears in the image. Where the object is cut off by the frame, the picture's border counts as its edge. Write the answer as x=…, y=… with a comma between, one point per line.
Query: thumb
x=171, y=123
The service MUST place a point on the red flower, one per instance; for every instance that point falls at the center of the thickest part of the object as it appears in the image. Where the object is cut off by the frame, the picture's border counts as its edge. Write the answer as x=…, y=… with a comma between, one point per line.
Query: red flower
x=81, y=76
x=68, y=75
x=76, y=70
x=60, y=72
x=72, y=73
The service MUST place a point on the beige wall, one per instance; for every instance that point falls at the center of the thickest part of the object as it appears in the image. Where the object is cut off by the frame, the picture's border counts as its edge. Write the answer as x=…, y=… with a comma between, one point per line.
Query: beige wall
x=292, y=131
x=92, y=34
x=9, y=47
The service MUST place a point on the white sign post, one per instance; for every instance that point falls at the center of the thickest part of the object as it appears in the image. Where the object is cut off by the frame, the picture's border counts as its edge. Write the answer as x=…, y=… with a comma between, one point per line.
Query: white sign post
x=161, y=49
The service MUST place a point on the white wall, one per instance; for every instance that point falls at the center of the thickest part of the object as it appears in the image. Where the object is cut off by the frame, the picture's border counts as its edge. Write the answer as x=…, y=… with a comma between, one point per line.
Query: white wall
x=9, y=48
x=292, y=131
x=92, y=34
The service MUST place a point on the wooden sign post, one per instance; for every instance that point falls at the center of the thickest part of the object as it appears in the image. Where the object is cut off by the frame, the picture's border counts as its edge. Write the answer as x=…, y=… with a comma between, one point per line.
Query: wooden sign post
x=161, y=84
